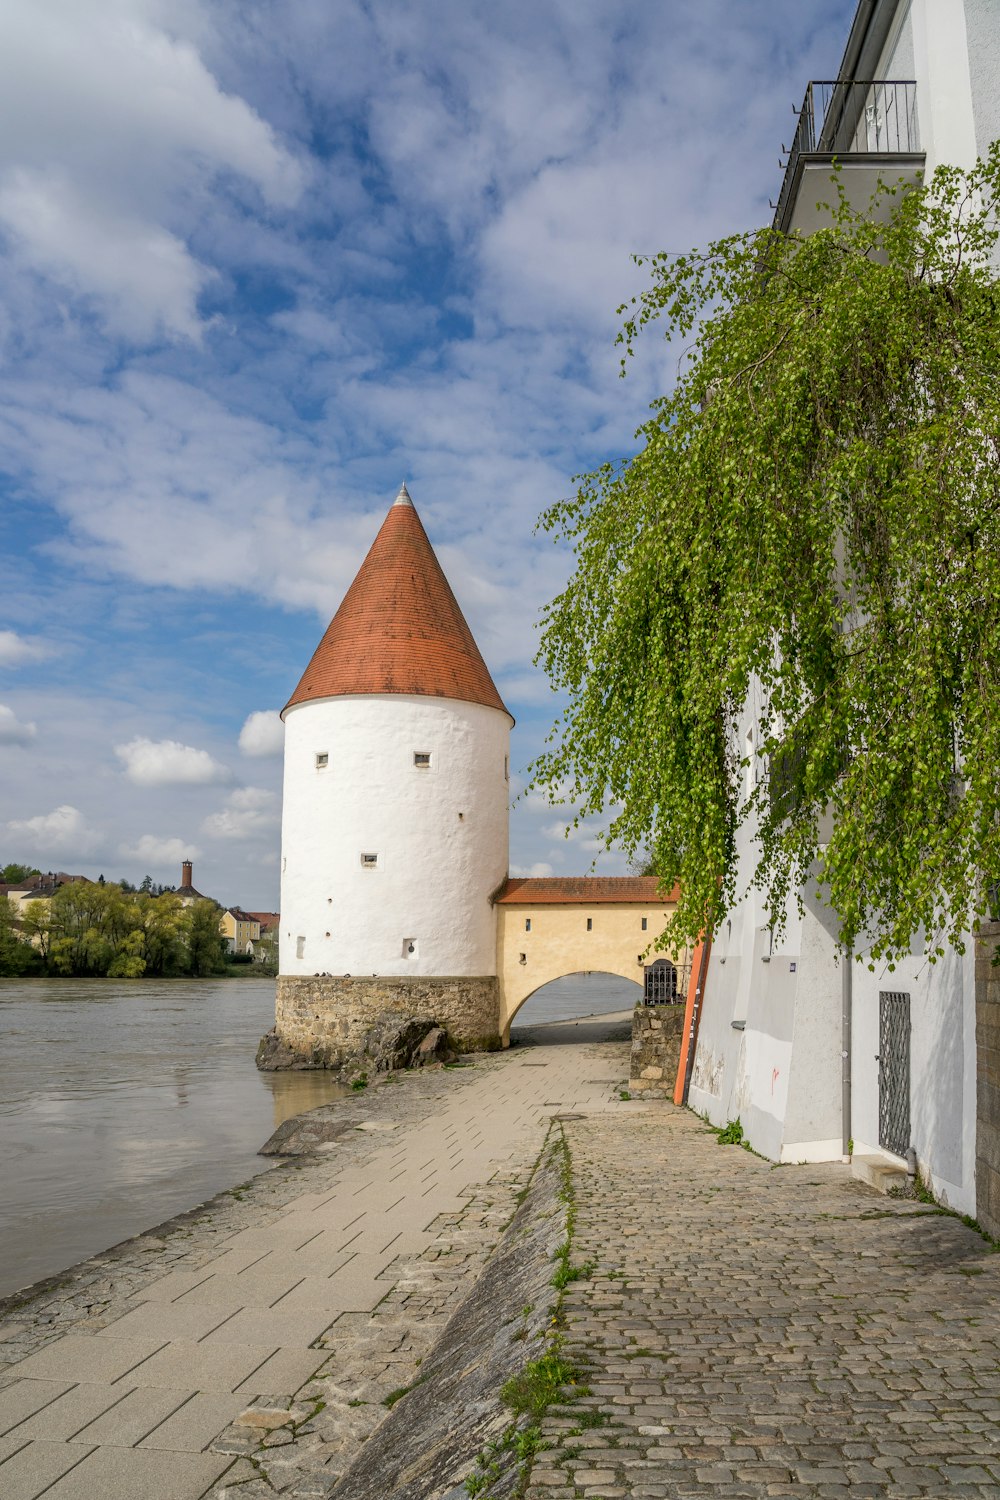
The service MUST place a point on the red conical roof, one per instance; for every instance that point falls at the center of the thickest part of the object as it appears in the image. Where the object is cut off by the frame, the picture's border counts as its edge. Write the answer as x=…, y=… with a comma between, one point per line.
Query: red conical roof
x=399, y=629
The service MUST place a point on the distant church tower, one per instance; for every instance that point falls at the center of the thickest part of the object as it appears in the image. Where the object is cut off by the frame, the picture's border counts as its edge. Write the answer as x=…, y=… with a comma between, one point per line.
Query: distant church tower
x=394, y=830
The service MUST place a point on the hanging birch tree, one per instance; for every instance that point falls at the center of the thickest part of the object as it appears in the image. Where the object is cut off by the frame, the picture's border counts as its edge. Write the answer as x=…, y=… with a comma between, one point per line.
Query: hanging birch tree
x=806, y=545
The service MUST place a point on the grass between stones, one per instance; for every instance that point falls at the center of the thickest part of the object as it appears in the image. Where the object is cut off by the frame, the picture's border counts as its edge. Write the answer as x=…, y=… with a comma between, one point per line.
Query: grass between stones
x=547, y=1380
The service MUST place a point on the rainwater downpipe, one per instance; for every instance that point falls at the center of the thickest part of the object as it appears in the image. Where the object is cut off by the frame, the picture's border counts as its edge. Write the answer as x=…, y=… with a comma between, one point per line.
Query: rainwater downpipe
x=692, y=1026
x=846, y=1007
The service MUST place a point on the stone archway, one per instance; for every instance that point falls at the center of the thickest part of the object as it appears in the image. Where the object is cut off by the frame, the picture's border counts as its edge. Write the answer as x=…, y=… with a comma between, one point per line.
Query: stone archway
x=552, y=927
x=515, y=1017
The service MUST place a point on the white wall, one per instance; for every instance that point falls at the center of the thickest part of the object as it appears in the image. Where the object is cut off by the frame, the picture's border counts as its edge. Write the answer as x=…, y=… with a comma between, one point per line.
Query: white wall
x=982, y=19
x=944, y=87
x=440, y=835
x=942, y=1068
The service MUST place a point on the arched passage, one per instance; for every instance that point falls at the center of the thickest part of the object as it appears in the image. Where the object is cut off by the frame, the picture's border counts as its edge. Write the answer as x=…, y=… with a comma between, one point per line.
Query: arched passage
x=575, y=996
x=552, y=927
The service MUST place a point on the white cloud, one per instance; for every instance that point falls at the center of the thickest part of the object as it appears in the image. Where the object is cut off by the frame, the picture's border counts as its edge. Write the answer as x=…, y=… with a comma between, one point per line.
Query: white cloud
x=169, y=763
x=64, y=832
x=109, y=125
x=16, y=649
x=249, y=811
x=263, y=733
x=438, y=306
x=140, y=274
x=540, y=868
x=15, y=731
x=158, y=853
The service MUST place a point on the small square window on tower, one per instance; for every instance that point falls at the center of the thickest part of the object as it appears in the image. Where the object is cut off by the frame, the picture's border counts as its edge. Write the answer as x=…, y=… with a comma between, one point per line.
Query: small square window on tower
x=369, y=861
x=322, y=759
x=422, y=758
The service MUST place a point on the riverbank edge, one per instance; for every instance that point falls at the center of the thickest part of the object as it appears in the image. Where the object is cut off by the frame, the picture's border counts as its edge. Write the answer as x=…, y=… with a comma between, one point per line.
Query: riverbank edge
x=349, y=1109
x=282, y=1146
x=322, y=1123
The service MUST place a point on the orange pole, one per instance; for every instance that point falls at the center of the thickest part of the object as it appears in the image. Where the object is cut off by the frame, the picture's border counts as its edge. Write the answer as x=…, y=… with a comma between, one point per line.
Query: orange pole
x=692, y=1013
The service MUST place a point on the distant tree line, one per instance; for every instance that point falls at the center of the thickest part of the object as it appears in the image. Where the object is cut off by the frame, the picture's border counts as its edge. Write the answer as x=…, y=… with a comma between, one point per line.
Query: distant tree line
x=106, y=929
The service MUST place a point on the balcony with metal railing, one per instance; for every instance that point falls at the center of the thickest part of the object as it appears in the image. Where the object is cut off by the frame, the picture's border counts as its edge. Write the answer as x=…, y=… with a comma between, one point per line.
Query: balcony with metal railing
x=869, y=127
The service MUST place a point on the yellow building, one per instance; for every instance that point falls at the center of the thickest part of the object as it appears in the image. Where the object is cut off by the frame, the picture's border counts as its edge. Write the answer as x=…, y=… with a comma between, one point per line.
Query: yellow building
x=241, y=929
x=553, y=926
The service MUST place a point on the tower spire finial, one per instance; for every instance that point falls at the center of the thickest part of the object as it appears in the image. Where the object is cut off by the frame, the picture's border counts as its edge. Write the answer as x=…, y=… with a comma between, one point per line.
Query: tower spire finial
x=403, y=498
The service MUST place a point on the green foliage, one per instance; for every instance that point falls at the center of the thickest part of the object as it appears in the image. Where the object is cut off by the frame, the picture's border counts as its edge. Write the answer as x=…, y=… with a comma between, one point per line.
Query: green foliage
x=360, y=1083
x=731, y=1134
x=401, y=1391
x=786, y=607
x=205, y=944
x=94, y=930
x=17, y=956
x=14, y=874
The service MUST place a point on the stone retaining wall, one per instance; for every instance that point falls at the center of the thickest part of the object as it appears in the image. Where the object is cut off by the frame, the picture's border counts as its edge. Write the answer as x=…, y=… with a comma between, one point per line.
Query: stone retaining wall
x=656, y=1049
x=988, y=1080
x=325, y=1018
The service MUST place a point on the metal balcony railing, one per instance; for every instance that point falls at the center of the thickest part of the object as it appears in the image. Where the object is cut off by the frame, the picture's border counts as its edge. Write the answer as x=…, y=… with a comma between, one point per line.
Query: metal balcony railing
x=855, y=117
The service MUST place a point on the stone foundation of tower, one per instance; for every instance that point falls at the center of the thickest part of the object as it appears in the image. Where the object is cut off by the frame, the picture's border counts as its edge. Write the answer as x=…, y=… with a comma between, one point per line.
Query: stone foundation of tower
x=323, y=1019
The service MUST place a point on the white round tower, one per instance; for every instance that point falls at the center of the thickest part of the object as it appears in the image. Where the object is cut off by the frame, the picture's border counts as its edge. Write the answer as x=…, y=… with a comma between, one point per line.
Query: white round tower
x=394, y=825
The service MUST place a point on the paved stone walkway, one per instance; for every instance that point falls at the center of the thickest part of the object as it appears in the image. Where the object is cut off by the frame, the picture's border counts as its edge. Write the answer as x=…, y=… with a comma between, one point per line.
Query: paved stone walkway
x=284, y=1316
x=754, y=1330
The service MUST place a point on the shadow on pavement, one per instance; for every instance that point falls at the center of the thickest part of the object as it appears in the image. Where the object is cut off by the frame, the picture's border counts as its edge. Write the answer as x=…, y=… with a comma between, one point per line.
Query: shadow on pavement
x=614, y=1027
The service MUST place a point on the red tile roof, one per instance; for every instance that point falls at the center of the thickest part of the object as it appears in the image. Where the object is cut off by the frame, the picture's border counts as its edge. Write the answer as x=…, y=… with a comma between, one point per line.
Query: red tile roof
x=583, y=890
x=399, y=629
x=267, y=919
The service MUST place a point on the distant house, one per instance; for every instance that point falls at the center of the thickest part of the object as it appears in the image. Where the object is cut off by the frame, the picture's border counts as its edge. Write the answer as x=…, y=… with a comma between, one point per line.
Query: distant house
x=37, y=888
x=266, y=949
x=240, y=929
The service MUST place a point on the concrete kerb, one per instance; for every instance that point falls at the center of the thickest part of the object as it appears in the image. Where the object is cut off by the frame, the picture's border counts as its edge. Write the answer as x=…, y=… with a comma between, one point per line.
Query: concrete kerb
x=454, y=1411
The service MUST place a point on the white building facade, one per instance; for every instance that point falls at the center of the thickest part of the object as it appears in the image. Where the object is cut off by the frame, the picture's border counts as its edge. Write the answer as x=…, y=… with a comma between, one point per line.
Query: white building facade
x=811, y=1053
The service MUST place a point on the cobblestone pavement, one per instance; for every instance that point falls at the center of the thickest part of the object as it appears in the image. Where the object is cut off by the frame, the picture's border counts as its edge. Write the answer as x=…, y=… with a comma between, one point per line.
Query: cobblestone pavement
x=248, y=1348
x=754, y=1330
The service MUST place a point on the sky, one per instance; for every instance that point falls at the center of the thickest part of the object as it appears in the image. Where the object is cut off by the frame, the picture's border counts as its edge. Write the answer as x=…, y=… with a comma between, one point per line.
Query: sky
x=259, y=264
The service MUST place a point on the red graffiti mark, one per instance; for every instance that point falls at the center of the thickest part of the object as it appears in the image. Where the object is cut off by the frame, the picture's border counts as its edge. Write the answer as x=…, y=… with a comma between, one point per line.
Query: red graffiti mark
x=775, y=1075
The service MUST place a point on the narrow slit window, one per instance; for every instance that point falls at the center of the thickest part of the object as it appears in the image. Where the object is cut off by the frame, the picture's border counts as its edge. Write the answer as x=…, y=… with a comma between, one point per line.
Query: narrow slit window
x=506, y=768
x=644, y=924
x=322, y=759
x=300, y=947
x=422, y=758
x=527, y=924
x=369, y=861
x=590, y=924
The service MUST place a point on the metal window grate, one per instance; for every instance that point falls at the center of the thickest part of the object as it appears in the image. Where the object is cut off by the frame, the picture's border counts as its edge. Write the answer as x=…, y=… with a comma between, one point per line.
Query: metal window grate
x=660, y=987
x=894, y=1071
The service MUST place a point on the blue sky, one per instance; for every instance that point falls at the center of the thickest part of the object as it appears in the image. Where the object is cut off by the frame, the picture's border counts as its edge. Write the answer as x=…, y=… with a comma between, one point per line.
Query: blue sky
x=258, y=264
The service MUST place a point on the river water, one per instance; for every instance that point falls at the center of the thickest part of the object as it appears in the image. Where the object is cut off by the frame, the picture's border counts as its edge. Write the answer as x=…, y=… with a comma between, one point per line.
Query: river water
x=125, y=1102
